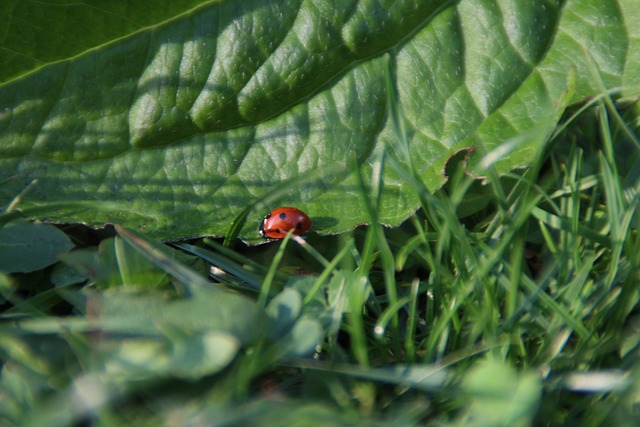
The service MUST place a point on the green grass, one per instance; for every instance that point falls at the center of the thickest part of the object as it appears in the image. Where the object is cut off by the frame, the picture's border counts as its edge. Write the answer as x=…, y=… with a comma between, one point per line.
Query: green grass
x=511, y=303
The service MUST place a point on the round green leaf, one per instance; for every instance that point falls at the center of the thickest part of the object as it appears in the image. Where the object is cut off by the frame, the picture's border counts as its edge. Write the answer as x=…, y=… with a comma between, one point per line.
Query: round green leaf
x=26, y=247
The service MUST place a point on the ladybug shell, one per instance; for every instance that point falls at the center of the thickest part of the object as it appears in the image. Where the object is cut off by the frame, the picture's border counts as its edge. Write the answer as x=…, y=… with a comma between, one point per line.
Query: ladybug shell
x=279, y=221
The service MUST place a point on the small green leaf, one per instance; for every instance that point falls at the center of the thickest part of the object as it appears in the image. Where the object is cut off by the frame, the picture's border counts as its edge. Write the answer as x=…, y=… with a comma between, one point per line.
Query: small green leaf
x=284, y=309
x=119, y=310
x=64, y=275
x=26, y=247
x=343, y=288
x=116, y=263
x=497, y=395
x=302, y=340
x=189, y=356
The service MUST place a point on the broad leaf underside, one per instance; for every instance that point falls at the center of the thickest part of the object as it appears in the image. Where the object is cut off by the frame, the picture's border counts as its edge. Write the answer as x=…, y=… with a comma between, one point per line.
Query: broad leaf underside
x=184, y=124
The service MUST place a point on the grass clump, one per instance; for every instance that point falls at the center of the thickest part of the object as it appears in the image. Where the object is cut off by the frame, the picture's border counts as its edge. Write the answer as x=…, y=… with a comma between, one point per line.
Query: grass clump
x=506, y=302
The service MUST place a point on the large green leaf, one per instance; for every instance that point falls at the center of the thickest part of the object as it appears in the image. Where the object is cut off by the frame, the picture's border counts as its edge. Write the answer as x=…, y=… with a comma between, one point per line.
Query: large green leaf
x=36, y=33
x=206, y=111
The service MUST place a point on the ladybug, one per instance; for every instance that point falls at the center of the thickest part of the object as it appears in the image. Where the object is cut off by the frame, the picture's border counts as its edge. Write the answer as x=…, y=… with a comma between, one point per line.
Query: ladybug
x=279, y=221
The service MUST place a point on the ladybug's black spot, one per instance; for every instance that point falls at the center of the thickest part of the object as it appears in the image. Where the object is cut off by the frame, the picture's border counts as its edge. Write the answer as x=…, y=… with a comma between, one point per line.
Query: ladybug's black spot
x=283, y=216
x=298, y=226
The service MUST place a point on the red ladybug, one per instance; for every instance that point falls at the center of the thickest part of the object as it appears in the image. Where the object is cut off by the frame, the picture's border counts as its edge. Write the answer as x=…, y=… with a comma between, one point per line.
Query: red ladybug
x=279, y=221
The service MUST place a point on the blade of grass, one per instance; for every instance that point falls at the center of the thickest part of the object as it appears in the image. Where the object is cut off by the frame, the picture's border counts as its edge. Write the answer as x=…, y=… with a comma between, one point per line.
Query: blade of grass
x=157, y=255
x=268, y=279
x=410, y=333
x=326, y=272
x=244, y=274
